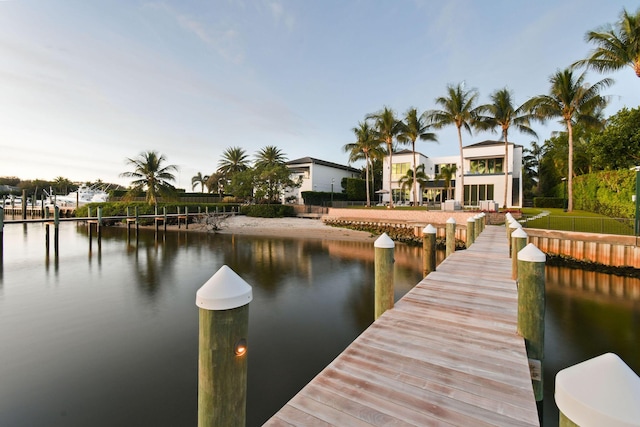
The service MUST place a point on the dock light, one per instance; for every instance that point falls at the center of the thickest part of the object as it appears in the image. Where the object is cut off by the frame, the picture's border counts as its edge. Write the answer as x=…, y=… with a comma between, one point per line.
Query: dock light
x=241, y=347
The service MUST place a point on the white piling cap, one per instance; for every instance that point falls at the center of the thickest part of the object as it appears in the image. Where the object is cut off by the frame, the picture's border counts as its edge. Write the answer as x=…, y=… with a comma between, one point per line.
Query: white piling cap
x=451, y=220
x=384, y=242
x=515, y=224
x=531, y=253
x=429, y=229
x=520, y=233
x=223, y=291
x=602, y=391
x=471, y=219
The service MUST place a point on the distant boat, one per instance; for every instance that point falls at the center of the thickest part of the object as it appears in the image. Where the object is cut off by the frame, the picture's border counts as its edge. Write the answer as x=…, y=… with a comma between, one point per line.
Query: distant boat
x=83, y=195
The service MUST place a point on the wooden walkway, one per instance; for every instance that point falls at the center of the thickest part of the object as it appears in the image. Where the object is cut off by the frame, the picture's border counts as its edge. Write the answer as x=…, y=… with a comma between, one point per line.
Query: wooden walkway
x=446, y=354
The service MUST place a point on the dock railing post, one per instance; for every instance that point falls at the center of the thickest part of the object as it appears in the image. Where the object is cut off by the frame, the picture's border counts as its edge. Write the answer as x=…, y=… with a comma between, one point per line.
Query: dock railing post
x=603, y=391
x=164, y=221
x=223, y=303
x=519, y=241
x=429, y=249
x=471, y=231
x=186, y=217
x=99, y=224
x=24, y=204
x=512, y=226
x=450, y=236
x=384, y=248
x=531, y=309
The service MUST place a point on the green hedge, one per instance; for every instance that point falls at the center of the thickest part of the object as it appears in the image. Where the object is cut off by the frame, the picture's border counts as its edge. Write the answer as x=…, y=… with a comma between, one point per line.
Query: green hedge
x=268, y=211
x=120, y=208
x=607, y=193
x=321, y=198
x=549, y=202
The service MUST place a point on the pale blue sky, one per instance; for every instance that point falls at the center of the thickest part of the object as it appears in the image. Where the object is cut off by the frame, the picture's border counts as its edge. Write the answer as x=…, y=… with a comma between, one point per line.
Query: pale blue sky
x=86, y=84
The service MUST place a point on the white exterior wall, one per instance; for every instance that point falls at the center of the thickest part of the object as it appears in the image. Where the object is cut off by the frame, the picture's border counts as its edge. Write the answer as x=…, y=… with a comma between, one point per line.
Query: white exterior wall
x=319, y=179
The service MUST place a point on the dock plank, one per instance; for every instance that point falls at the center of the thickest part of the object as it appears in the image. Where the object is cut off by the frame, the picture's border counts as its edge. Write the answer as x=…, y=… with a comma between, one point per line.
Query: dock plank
x=446, y=354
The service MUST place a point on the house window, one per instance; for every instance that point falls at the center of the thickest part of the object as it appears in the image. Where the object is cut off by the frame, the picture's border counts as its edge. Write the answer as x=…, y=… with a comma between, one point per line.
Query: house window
x=398, y=170
x=473, y=194
x=486, y=166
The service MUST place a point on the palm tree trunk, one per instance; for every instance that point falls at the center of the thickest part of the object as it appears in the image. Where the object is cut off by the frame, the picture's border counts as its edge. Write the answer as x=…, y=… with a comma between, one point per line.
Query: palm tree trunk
x=390, y=147
x=366, y=163
x=461, y=168
x=506, y=168
x=570, y=169
x=415, y=181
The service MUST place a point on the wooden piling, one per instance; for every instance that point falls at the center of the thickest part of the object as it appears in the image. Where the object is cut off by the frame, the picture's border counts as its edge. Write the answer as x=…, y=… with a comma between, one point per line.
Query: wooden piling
x=186, y=217
x=471, y=231
x=56, y=230
x=223, y=303
x=1, y=231
x=519, y=241
x=531, y=310
x=384, y=249
x=429, y=249
x=450, y=236
x=164, y=222
x=24, y=204
x=99, y=224
x=512, y=226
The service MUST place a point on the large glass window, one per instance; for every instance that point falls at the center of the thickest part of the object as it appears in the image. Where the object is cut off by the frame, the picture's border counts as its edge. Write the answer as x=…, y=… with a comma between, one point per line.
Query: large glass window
x=473, y=194
x=398, y=170
x=486, y=166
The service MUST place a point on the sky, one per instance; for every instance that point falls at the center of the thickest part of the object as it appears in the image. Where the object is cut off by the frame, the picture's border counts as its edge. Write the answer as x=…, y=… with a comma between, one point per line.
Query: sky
x=86, y=85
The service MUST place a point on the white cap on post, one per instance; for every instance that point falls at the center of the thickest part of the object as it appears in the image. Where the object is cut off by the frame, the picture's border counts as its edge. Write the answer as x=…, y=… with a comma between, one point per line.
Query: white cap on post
x=429, y=229
x=451, y=220
x=519, y=233
x=223, y=291
x=602, y=391
x=384, y=242
x=531, y=253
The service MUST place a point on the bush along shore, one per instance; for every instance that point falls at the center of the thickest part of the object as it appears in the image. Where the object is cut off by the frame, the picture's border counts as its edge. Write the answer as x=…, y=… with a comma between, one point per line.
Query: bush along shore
x=398, y=232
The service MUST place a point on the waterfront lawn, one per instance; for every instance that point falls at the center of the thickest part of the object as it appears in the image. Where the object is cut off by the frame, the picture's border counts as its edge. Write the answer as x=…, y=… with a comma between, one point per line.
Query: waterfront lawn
x=578, y=220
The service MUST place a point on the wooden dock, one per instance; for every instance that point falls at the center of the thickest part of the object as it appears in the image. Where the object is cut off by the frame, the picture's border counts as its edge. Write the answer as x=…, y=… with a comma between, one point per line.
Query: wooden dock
x=446, y=354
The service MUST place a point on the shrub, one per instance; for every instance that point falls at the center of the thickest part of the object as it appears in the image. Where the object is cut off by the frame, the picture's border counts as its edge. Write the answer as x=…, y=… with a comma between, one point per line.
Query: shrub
x=268, y=211
x=549, y=202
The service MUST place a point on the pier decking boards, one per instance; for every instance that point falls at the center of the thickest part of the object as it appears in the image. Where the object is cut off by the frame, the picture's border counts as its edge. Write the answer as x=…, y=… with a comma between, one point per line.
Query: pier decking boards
x=447, y=354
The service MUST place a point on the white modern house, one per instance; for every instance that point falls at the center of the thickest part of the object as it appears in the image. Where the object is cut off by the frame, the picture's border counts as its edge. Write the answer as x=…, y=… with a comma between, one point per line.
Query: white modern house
x=317, y=175
x=483, y=167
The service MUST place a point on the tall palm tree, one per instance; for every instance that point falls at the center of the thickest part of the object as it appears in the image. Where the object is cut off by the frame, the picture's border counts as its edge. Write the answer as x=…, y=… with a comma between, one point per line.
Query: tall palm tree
x=387, y=127
x=199, y=179
x=458, y=108
x=415, y=127
x=234, y=159
x=533, y=160
x=366, y=148
x=408, y=180
x=617, y=46
x=150, y=174
x=269, y=156
x=502, y=113
x=572, y=101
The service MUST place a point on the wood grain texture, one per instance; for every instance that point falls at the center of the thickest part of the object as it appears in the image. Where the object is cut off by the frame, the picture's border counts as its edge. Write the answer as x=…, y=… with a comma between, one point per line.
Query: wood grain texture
x=447, y=354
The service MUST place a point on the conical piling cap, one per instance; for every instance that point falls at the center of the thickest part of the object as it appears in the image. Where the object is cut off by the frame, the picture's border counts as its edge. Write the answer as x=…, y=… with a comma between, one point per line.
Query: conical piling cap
x=429, y=229
x=223, y=291
x=384, y=242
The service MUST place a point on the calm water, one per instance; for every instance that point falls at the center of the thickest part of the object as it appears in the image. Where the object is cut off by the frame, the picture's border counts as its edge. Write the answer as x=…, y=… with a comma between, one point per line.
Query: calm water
x=108, y=336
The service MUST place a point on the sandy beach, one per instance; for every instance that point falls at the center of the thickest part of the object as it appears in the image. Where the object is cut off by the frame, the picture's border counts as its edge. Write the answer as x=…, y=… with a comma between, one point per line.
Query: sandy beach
x=288, y=227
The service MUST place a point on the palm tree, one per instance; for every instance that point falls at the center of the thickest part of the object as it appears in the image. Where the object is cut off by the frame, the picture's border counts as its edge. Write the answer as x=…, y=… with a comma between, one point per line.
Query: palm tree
x=458, y=108
x=447, y=173
x=414, y=127
x=199, y=179
x=386, y=128
x=150, y=174
x=234, y=159
x=617, y=47
x=533, y=160
x=269, y=156
x=366, y=148
x=501, y=113
x=572, y=101
x=408, y=181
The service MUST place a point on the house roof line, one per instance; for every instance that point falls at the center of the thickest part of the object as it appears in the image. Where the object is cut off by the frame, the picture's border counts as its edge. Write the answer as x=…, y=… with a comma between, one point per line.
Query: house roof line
x=304, y=160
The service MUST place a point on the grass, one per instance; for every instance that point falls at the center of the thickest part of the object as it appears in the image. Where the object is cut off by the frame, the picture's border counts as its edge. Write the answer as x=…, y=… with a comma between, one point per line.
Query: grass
x=583, y=221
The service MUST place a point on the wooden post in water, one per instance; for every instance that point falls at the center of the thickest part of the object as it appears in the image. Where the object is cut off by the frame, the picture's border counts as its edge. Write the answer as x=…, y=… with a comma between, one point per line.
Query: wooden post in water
x=164, y=223
x=519, y=241
x=56, y=229
x=223, y=303
x=186, y=217
x=450, y=236
x=384, y=248
x=531, y=309
x=1, y=231
x=429, y=249
x=512, y=226
x=178, y=217
x=24, y=204
x=99, y=224
x=471, y=231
